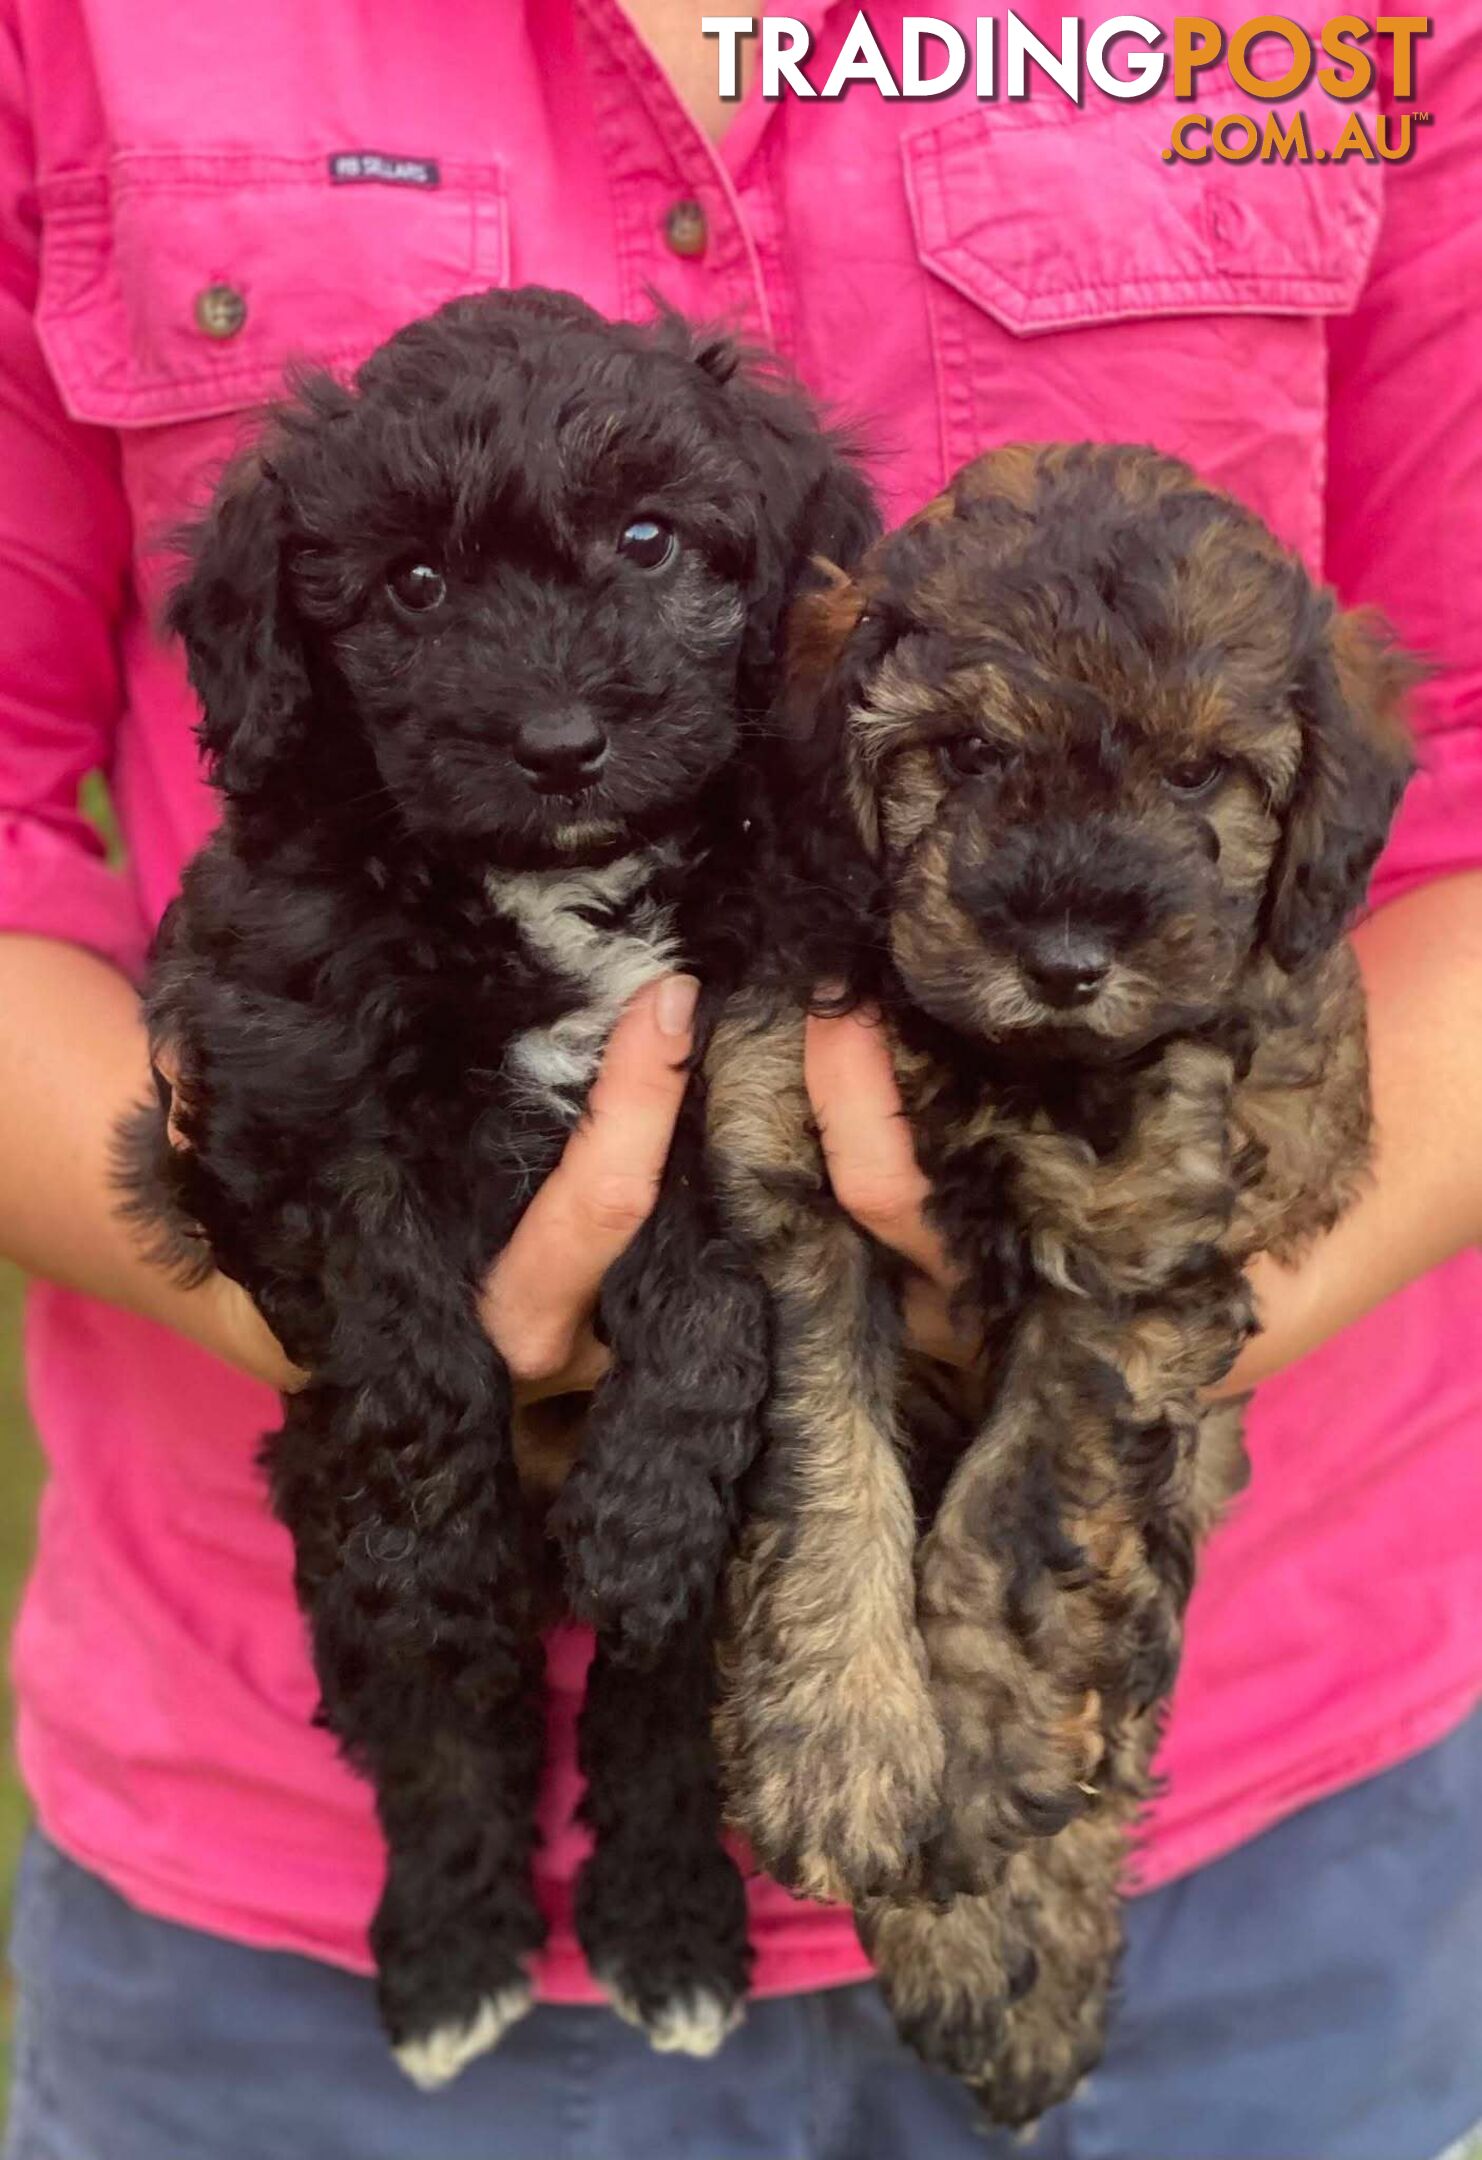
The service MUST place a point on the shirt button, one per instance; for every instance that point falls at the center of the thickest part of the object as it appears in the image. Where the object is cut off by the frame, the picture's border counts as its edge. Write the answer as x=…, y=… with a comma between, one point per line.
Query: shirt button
x=220, y=311
x=684, y=228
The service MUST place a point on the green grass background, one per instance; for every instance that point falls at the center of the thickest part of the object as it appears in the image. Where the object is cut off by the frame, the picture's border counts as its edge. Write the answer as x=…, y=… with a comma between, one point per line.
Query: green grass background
x=20, y=1482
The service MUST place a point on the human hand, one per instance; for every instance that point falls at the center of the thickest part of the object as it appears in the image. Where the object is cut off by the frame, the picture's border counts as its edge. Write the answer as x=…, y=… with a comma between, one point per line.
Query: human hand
x=875, y=1175
x=216, y=1311
x=540, y=1296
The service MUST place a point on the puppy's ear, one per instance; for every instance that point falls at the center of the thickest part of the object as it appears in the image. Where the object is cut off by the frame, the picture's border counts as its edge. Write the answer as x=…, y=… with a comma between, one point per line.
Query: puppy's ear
x=1356, y=759
x=242, y=649
x=836, y=639
x=810, y=499
x=825, y=886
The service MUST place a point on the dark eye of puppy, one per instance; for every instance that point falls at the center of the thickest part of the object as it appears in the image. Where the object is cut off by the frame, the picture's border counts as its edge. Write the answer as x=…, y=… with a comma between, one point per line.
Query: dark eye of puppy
x=1197, y=778
x=417, y=587
x=648, y=544
x=968, y=757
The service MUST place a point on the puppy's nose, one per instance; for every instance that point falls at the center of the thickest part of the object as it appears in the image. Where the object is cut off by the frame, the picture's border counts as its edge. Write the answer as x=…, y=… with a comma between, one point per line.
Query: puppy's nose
x=1064, y=964
x=561, y=752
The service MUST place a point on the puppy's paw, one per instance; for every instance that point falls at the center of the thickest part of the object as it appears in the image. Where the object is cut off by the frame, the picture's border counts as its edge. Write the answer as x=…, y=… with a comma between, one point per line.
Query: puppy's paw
x=452, y=1971
x=837, y=1775
x=663, y=1923
x=695, y=2021
x=1063, y=1894
x=948, y=1974
x=680, y=1974
x=1049, y=2041
x=433, y=2058
x=1024, y=1780
x=1037, y=2065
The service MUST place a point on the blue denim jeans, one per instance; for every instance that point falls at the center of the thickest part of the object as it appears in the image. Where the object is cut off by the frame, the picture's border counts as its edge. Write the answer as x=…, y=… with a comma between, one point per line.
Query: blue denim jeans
x=1315, y=1996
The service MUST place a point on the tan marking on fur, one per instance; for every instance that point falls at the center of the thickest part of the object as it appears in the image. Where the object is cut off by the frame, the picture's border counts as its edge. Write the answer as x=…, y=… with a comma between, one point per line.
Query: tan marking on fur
x=1065, y=1895
x=1017, y=1696
x=1010, y=474
x=819, y=627
x=1305, y=1105
x=826, y=1724
x=547, y=1440
x=1095, y=1435
x=946, y=1974
x=1376, y=679
x=939, y=511
x=1014, y=1709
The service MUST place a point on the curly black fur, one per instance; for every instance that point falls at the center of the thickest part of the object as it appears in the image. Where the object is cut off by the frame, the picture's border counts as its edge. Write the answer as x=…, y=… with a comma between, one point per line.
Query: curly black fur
x=455, y=838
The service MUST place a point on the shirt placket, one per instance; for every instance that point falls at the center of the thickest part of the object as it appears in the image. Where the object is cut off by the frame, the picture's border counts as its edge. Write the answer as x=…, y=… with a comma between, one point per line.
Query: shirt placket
x=682, y=228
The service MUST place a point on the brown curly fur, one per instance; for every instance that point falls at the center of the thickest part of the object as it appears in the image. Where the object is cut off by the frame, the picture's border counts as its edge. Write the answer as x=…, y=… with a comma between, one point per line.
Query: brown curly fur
x=1081, y=704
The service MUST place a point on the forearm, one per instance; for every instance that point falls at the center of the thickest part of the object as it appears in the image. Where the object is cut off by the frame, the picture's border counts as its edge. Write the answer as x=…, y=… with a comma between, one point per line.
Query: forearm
x=1422, y=965
x=73, y=1059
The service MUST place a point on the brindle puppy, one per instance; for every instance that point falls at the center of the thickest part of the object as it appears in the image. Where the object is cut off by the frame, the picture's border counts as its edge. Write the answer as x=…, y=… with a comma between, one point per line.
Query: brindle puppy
x=1121, y=772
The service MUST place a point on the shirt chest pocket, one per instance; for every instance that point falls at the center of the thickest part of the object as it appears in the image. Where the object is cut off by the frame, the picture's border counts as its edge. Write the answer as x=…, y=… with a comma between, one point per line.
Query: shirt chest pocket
x=178, y=286
x=1080, y=284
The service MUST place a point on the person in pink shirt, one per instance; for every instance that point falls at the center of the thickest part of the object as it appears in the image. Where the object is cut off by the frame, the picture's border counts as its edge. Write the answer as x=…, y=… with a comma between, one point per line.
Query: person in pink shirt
x=192, y=197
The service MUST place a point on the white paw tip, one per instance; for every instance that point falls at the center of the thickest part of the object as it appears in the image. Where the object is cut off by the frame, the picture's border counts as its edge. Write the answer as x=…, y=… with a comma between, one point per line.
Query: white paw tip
x=436, y=2059
x=695, y=2023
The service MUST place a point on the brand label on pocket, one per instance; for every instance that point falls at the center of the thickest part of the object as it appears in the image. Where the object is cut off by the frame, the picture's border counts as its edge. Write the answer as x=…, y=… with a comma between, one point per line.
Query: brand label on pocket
x=348, y=165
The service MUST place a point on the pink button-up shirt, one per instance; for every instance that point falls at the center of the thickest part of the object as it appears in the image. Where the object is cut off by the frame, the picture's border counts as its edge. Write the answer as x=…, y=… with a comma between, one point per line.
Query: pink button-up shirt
x=946, y=273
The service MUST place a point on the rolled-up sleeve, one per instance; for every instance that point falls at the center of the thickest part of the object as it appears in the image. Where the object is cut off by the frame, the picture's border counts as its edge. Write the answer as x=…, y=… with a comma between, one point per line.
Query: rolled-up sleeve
x=64, y=563
x=1405, y=473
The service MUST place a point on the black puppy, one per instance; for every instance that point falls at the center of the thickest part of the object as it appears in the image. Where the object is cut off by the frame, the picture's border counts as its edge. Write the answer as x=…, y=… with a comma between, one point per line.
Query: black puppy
x=483, y=645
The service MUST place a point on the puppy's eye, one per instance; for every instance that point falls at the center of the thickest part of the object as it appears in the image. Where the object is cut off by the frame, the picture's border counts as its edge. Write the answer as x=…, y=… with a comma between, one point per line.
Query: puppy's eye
x=1196, y=779
x=417, y=588
x=648, y=544
x=968, y=757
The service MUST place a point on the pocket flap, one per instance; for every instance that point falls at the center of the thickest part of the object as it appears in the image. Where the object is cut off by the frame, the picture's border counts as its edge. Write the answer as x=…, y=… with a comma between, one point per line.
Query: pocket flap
x=296, y=268
x=1053, y=223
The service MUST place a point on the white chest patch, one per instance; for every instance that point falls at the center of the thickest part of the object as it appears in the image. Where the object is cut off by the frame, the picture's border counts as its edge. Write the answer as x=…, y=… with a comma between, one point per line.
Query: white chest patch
x=603, y=932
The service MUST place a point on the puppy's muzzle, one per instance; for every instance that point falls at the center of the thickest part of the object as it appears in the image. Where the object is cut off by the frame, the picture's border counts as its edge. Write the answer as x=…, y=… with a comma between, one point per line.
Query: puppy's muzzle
x=1064, y=898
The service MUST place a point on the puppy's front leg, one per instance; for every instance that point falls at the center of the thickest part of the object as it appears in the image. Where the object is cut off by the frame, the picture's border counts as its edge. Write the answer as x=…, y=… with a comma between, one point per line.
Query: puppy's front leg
x=660, y=1904
x=828, y=1736
x=646, y=1517
x=1054, y=1577
x=402, y=1503
x=1001, y=1581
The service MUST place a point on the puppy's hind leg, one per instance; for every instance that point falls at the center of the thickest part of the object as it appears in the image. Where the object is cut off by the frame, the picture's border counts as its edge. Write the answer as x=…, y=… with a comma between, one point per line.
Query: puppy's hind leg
x=1064, y=1898
x=660, y=1904
x=948, y=1974
x=410, y=1568
x=1010, y=1989
x=457, y=1924
x=646, y=1516
x=830, y=1746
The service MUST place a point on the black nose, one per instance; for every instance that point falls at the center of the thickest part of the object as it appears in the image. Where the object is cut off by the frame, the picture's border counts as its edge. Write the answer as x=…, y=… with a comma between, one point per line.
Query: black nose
x=561, y=752
x=1063, y=963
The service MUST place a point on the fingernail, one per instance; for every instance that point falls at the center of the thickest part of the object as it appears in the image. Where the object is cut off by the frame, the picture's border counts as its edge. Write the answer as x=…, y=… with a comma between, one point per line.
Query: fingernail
x=674, y=1005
